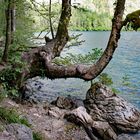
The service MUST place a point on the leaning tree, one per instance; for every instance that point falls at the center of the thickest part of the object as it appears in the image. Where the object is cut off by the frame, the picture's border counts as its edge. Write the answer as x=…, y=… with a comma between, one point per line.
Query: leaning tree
x=40, y=59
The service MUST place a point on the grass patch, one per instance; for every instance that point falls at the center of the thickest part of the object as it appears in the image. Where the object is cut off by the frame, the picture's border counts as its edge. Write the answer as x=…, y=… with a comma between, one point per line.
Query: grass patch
x=11, y=116
x=37, y=136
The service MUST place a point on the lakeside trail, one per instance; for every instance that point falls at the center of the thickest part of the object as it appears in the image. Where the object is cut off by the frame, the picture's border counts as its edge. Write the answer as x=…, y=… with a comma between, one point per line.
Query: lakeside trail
x=49, y=123
x=102, y=116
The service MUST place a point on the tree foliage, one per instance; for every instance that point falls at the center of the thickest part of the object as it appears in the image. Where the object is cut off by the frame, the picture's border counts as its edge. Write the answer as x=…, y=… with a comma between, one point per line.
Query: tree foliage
x=87, y=20
x=2, y=18
x=133, y=20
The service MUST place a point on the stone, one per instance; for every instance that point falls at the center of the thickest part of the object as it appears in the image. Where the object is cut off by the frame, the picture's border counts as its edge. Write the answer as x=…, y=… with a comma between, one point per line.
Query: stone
x=21, y=132
x=64, y=102
x=56, y=112
x=125, y=137
x=7, y=136
x=104, y=105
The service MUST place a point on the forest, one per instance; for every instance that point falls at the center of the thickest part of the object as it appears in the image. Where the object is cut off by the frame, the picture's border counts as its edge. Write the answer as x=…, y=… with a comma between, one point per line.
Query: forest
x=34, y=40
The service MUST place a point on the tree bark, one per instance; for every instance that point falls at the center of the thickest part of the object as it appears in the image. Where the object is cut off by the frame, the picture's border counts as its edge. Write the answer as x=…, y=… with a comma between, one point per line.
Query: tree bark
x=56, y=46
x=41, y=58
x=13, y=20
x=8, y=32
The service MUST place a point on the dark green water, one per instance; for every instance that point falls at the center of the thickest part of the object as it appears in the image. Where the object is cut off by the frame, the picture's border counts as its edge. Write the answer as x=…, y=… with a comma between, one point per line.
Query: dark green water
x=126, y=62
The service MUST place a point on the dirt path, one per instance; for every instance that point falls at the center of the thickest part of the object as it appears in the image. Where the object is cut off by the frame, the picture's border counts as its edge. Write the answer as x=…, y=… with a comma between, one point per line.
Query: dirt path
x=47, y=121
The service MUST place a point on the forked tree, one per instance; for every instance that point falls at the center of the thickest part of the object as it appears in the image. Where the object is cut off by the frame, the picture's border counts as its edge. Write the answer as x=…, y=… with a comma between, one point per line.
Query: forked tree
x=40, y=59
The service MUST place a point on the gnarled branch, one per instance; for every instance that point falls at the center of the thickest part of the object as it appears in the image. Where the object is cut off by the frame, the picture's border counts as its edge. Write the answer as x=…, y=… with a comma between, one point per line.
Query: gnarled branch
x=39, y=60
x=80, y=71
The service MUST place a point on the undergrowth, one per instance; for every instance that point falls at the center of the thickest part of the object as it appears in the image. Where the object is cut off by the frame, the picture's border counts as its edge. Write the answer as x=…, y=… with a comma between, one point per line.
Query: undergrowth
x=11, y=116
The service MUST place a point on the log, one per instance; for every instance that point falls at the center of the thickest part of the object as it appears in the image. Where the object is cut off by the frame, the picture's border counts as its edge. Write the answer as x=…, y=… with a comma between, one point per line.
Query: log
x=95, y=129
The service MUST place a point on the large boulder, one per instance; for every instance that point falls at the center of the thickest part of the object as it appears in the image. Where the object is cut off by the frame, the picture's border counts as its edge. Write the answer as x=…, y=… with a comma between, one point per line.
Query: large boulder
x=104, y=105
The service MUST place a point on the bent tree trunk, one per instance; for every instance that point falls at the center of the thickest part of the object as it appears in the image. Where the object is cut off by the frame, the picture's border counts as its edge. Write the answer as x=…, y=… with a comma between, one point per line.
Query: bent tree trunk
x=39, y=60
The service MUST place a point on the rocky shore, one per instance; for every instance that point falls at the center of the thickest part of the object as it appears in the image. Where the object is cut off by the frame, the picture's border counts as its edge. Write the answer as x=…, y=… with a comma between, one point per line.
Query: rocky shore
x=103, y=115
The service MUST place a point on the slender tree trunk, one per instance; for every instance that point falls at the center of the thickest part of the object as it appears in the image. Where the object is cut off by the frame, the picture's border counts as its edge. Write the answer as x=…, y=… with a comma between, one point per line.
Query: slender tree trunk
x=50, y=19
x=8, y=32
x=13, y=20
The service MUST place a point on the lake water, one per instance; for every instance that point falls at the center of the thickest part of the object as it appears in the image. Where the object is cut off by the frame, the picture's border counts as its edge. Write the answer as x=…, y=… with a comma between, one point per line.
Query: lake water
x=125, y=63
